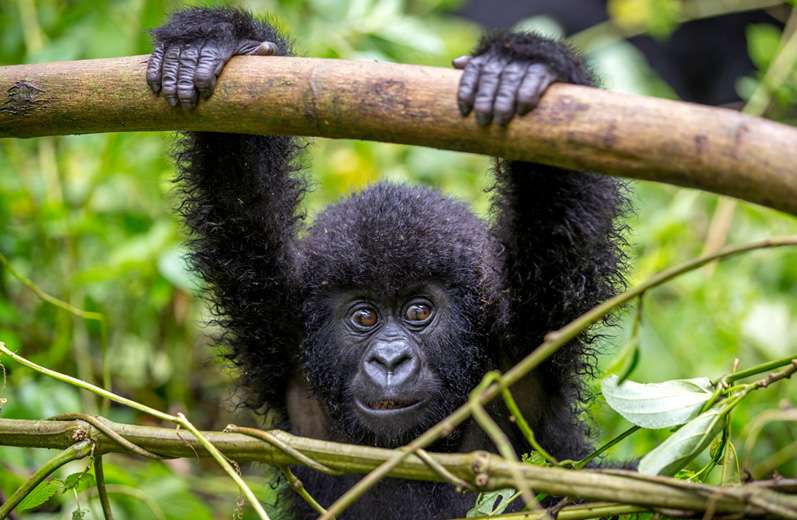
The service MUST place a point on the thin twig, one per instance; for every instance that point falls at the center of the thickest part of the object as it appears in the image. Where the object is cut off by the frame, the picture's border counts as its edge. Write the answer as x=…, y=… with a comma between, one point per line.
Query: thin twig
x=98, y=423
x=102, y=491
x=524, y=426
x=438, y=468
x=498, y=437
x=271, y=439
x=225, y=464
x=298, y=487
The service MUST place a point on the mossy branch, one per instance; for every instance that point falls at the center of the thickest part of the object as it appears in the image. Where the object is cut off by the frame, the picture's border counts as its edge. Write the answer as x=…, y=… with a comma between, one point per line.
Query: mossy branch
x=690, y=145
x=605, y=485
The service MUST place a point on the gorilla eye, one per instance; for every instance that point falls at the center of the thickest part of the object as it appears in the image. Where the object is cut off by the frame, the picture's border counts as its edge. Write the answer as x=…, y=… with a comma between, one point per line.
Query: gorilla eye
x=364, y=317
x=418, y=312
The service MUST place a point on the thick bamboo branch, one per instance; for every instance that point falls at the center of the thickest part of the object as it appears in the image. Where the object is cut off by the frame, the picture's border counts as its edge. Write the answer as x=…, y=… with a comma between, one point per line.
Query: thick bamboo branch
x=493, y=472
x=688, y=145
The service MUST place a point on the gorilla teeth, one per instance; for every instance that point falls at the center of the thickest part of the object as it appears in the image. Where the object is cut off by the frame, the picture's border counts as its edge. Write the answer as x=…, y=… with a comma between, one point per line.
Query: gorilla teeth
x=388, y=405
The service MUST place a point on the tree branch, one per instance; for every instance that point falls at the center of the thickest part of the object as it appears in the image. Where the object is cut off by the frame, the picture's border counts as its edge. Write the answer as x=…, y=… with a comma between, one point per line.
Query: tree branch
x=688, y=145
x=609, y=485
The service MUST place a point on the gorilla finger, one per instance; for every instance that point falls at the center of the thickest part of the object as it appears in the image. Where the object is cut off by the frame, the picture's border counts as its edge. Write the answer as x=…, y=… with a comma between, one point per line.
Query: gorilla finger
x=537, y=80
x=489, y=80
x=267, y=49
x=468, y=83
x=154, y=65
x=186, y=90
x=169, y=71
x=506, y=96
x=255, y=47
x=461, y=62
x=209, y=66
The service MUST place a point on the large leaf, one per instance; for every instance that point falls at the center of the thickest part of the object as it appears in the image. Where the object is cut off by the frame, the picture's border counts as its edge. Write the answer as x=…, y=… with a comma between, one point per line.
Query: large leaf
x=657, y=405
x=684, y=445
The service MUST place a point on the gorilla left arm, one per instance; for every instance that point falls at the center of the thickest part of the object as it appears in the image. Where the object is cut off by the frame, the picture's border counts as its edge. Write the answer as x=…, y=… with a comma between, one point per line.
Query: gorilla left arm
x=560, y=229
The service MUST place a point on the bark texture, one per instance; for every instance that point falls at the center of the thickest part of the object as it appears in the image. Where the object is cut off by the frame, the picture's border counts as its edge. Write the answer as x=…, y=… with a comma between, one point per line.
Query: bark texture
x=689, y=145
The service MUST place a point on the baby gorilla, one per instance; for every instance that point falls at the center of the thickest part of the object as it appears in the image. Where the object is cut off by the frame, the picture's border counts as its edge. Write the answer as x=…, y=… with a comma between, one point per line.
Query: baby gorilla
x=384, y=315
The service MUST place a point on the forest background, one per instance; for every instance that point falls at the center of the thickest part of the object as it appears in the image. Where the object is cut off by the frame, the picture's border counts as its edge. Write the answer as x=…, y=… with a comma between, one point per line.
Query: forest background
x=89, y=219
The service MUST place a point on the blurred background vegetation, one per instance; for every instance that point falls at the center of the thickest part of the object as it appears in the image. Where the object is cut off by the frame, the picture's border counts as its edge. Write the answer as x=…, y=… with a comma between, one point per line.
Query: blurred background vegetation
x=89, y=220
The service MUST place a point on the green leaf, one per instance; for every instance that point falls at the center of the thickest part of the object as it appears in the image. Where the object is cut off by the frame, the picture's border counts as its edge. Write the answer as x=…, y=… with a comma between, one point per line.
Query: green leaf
x=716, y=446
x=39, y=495
x=535, y=458
x=72, y=480
x=79, y=514
x=663, y=17
x=763, y=40
x=657, y=405
x=80, y=480
x=684, y=445
x=486, y=503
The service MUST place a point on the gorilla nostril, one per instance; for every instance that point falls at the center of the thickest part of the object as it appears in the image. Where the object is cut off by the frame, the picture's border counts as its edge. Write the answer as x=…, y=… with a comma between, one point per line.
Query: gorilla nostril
x=391, y=363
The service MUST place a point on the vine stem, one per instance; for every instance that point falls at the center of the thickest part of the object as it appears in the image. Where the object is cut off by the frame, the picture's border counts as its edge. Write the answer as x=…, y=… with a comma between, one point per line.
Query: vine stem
x=760, y=369
x=225, y=464
x=553, y=341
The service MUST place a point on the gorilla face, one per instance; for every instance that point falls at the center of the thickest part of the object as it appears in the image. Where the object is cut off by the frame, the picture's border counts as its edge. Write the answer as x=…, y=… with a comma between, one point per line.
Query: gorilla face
x=390, y=366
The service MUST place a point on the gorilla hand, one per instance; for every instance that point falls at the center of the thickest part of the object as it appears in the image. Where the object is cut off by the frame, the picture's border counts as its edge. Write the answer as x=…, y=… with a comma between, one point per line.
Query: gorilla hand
x=509, y=72
x=497, y=88
x=185, y=70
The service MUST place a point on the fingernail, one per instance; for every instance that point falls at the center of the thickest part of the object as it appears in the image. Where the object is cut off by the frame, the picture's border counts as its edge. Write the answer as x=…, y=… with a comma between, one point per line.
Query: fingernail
x=154, y=86
x=502, y=119
x=172, y=101
x=463, y=108
x=461, y=62
x=267, y=49
x=483, y=118
x=187, y=104
x=205, y=93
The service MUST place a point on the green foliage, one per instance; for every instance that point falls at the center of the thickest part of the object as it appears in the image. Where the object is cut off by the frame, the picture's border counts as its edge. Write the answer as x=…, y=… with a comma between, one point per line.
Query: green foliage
x=657, y=405
x=536, y=458
x=763, y=40
x=659, y=18
x=89, y=219
x=79, y=482
x=684, y=445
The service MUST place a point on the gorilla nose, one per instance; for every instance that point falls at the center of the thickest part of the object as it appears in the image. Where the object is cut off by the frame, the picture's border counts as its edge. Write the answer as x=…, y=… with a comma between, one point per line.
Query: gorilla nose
x=391, y=364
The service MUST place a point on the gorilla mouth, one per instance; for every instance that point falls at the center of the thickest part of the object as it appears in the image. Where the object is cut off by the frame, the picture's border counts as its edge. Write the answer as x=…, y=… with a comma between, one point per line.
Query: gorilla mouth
x=383, y=407
x=391, y=404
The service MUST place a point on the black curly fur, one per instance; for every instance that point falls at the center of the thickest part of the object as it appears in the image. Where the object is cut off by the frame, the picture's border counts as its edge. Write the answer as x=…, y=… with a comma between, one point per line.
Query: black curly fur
x=553, y=252
x=569, y=65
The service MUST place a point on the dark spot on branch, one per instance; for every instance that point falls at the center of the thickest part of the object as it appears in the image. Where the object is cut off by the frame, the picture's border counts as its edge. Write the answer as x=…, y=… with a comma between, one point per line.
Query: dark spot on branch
x=700, y=144
x=565, y=109
x=22, y=98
